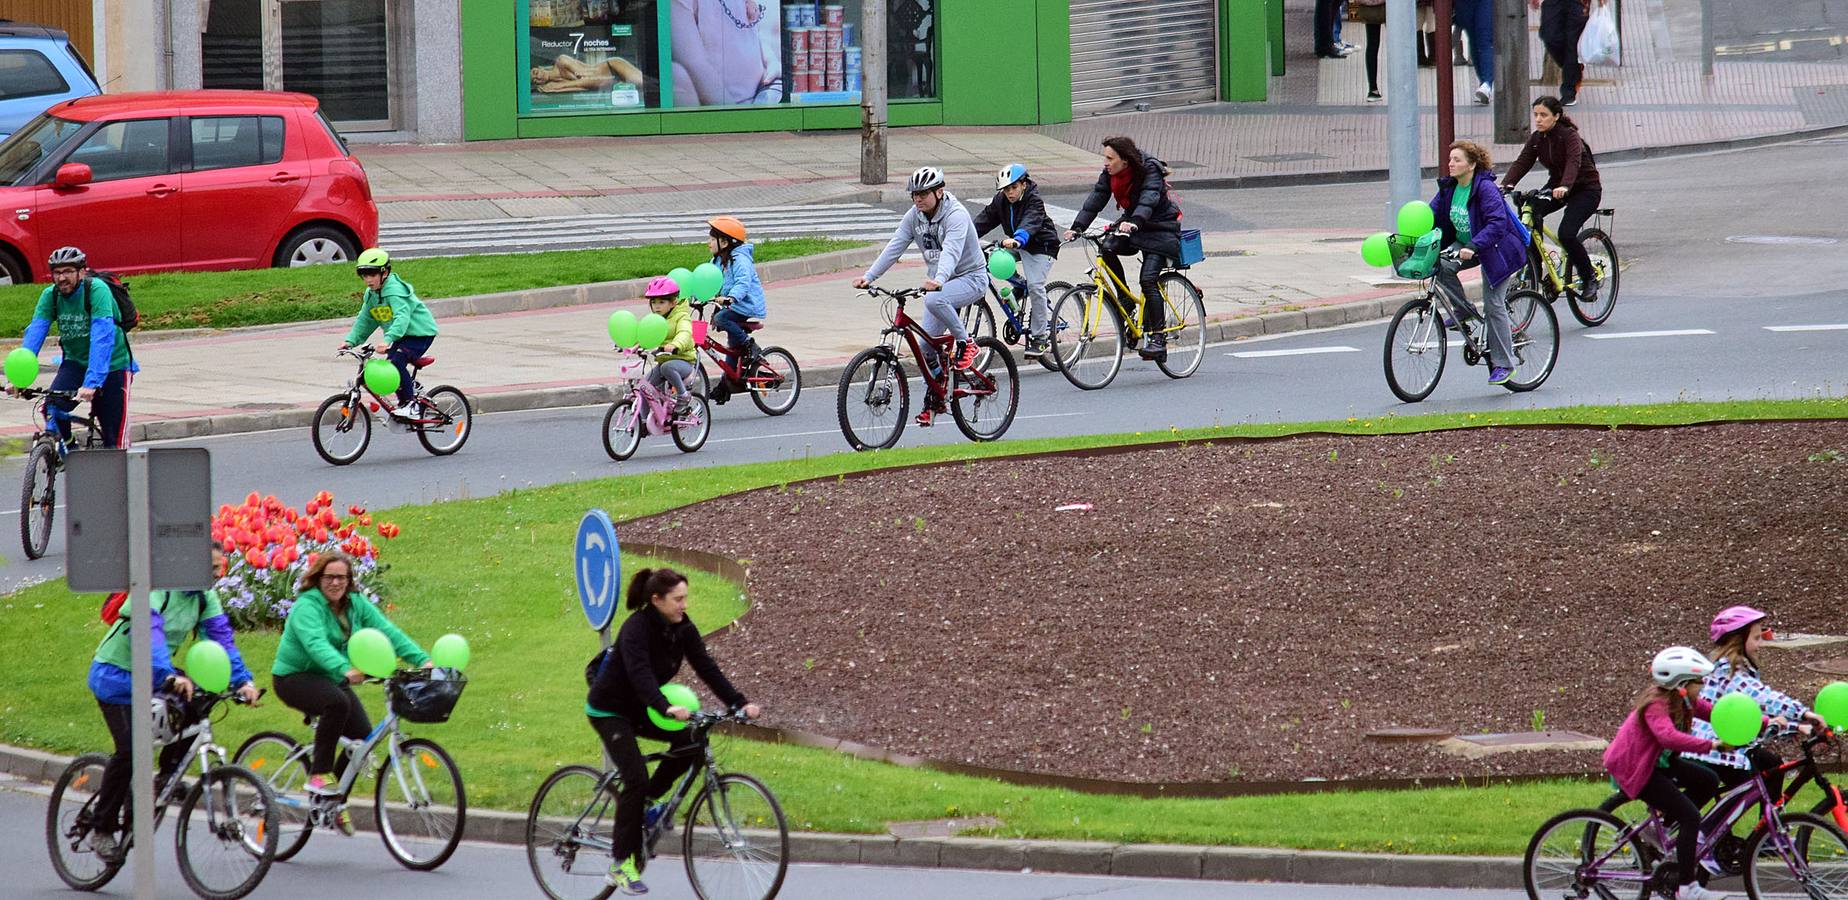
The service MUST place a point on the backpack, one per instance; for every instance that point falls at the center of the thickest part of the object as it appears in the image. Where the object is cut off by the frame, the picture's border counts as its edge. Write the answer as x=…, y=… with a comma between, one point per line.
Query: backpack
x=127, y=317
x=112, y=607
x=595, y=666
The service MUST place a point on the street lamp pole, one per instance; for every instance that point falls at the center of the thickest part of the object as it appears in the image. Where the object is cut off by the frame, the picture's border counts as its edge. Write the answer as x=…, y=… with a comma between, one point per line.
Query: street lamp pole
x=1402, y=103
x=873, y=92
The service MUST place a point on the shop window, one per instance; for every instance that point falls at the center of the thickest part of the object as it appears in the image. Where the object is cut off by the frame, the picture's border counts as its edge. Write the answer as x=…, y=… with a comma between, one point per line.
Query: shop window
x=600, y=55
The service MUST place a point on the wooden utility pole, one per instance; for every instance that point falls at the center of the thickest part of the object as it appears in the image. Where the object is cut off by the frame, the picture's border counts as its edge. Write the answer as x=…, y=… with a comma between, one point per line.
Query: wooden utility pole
x=1442, y=52
x=1512, y=82
x=873, y=91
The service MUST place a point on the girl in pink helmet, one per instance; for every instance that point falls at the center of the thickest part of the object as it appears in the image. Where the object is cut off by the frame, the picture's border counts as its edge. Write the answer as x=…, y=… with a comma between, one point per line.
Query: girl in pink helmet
x=675, y=358
x=1738, y=632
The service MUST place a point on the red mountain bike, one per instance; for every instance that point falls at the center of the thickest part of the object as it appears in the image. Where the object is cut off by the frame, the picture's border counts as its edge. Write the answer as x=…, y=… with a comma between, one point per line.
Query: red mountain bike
x=875, y=394
x=772, y=377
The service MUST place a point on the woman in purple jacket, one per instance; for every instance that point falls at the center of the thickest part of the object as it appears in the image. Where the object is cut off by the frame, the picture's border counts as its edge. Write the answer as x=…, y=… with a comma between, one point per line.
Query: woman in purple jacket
x=1476, y=223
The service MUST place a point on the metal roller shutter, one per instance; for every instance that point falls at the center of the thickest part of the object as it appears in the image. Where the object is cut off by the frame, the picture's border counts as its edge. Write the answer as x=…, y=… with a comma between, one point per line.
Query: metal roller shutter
x=1156, y=51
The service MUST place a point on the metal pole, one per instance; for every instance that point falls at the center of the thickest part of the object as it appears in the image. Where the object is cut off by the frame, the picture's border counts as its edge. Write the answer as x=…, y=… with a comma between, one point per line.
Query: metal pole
x=1442, y=52
x=1401, y=104
x=1706, y=37
x=141, y=639
x=873, y=91
x=603, y=637
x=1513, y=84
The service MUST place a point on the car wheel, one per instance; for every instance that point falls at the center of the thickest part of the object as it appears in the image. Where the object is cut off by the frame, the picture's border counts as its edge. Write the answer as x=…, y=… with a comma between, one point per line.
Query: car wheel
x=12, y=271
x=314, y=246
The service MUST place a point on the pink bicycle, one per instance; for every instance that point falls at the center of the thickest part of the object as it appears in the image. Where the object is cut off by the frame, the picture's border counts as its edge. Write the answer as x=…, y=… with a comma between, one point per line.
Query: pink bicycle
x=645, y=410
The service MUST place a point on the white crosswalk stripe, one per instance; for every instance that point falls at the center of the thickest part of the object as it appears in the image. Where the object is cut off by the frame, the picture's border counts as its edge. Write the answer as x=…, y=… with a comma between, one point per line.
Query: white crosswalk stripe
x=413, y=240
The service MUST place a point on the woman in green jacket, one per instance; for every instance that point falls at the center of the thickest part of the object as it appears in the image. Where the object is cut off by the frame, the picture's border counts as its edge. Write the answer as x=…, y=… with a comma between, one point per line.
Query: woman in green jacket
x=312, y=673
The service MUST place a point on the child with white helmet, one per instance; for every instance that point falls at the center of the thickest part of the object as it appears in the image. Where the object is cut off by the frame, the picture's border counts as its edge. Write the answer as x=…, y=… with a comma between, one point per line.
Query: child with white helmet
x=1640, y=761
x=1026, y=228
x=1738, y=632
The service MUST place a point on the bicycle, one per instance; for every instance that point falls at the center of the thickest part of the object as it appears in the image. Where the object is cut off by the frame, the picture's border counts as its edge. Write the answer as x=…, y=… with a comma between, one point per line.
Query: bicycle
x=1012, y=297
x=236, y=810
x=38, y=494
x=418, y=802
x=771, y=377
x=735, y=835
x=1088, y=334
x=443, y=422
x=875, y=389
x=644, y=409
x=1416, y=342
x=1591, y=852
x=1545, y=274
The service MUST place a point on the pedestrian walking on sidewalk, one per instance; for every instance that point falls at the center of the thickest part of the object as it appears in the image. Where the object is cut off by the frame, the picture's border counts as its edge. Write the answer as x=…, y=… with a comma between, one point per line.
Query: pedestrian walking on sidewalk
x=1561, y=23
x=1476, y=223
x=1150, y=223
x=1477, y=19
x=1372, y=14
x=1572, y=181
x=1326, y=13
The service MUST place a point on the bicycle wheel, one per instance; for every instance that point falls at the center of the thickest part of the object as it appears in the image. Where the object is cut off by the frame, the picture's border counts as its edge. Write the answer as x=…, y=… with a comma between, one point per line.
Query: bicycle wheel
x=1087, y=338
x=226, y=835
x=1186, y=326
x=873, y=399
x=38, y=499
x=570, y=830
x=1415, y=350
x=1536, y=346
x=736, y=844
x=693, y=435
x=283, y=764
x=68, y=826
x=442, y=440
x=775, y=382
x=984, y=399
x=420, y=805
x=1811, y=865
x=1593, y=311
x=622, y=429
x=341, y=429
x=1584, y=853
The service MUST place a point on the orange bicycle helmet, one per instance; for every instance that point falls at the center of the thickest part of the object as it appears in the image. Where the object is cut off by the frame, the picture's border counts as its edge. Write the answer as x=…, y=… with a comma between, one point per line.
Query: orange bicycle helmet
x=728, y=226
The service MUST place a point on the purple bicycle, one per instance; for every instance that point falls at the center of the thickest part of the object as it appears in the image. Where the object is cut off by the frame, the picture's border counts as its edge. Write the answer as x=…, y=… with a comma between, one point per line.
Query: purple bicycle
x=644, y=410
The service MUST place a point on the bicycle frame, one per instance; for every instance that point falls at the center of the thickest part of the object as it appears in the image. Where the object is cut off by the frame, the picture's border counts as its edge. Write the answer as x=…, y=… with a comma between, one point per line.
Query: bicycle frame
x=937, y=387
x=41, y=411
x=355, y=389
x=705, y=771
x=204, y=750
x=652, y=406
x=731, y=360
x=1541, y=256
x=1106, y=282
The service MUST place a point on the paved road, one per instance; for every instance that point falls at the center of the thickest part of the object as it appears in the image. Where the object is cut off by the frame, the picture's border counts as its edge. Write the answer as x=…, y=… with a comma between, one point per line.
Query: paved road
x=335, y=867
x=415, y=240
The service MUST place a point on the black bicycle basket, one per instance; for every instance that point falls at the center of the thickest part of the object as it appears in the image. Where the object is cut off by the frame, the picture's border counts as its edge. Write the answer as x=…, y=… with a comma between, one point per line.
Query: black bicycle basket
x=425, y=695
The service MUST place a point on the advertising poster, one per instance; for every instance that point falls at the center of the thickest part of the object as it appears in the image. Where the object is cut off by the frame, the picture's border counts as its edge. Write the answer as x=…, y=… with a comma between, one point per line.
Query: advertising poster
x=727, y=52
x=591, y=54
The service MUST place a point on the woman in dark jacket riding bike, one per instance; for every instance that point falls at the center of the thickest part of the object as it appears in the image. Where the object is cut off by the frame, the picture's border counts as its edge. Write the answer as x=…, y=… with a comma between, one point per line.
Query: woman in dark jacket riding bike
x=1572, y=181
x=1151, y=224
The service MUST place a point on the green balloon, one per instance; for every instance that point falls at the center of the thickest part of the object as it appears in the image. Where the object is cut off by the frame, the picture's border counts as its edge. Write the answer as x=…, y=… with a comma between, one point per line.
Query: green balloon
x=370, y=652
x=651, y=332
x=622, y=328
x=707, y=279
x=1415, y=218
x=209, y=666
x=1375, y=249
x=1737, y=719
x=683, y=277
x=450, y=652
x=1832, y=704
x=22, y=367
x=381, y=376
x=677, y=695
x=1001, y=264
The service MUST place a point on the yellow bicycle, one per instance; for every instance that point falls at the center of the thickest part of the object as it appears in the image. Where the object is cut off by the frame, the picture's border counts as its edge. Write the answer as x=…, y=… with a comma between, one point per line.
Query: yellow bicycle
x=1546, y=273
x=1088, y=333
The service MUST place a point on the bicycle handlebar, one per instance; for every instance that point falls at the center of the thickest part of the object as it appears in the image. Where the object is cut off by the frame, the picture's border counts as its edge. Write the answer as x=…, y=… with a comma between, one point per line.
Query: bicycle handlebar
x=31, y=393
x=365, y=351
x=901, y=294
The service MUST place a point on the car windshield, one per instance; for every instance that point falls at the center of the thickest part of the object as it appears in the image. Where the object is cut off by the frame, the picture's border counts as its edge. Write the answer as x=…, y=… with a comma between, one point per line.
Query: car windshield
x=29, y=146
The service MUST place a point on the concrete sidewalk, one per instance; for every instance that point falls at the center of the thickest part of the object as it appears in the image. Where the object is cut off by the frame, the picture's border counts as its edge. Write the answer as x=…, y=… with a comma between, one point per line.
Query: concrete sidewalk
x=205, y=383
x=1316, y=126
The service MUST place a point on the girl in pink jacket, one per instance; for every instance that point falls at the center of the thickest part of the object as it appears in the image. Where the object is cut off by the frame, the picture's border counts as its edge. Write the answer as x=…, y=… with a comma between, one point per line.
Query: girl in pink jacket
x=1645, y=758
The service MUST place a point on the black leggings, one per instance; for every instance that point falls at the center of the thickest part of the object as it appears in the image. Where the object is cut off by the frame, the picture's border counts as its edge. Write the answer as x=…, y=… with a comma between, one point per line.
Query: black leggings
x=1678, y=793
x=121, y=768
x=618, y=734
x=1154, y=311
x=341, y=714
x=1762, y=761
x=1373, y=57
x=1580, y=206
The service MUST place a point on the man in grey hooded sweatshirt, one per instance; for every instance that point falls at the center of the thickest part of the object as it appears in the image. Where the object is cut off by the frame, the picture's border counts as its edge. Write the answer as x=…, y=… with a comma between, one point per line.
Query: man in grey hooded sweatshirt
x=945, y=234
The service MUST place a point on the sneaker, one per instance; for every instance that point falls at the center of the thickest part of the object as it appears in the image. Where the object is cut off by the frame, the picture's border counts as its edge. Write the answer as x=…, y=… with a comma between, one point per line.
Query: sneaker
x=343, y=822
x=1696, y=892
x=1485, y=93
x=625, y=879
x=1499, y=375
x=1038, y=347
x=1591, y=288
x=924, y=418
x=1374, y=97
x=322, y=785
x=1154, y=346
x=965, y=358
x=683, y=408
x=405, y=414
x=104, y=844
x=1569, y=100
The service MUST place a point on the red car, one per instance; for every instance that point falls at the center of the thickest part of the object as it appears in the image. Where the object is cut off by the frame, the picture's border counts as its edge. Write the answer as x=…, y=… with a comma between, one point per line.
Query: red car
x=182, y=180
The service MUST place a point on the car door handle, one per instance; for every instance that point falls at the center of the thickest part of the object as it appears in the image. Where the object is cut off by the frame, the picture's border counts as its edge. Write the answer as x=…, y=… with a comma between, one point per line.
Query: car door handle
x=283, y=177
x=162, y=190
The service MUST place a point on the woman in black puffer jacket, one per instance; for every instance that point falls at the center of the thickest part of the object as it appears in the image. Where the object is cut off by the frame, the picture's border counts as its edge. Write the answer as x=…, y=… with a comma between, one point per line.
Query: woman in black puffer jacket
x=1150, y=224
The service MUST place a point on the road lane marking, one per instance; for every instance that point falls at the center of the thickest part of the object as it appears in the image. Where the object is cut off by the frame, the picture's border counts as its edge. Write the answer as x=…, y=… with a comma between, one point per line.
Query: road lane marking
x=1842, y=327
x=1300, y=351
x=1648, y=334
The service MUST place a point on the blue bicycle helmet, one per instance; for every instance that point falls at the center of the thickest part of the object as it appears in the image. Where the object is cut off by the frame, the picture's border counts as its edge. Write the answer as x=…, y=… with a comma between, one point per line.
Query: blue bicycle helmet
x=1009, y=174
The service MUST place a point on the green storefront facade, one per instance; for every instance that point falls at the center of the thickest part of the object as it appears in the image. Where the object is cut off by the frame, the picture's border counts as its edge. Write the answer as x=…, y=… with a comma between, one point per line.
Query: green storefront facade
x=559, y=68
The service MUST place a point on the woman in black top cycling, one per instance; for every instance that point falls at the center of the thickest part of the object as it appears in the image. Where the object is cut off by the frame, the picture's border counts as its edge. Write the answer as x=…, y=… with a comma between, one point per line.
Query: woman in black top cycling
x=1572, y=181
x=1151, y=223
x=653, y=641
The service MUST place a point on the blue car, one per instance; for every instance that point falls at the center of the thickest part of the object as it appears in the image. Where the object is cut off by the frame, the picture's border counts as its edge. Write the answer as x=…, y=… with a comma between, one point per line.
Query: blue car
x=38, y=67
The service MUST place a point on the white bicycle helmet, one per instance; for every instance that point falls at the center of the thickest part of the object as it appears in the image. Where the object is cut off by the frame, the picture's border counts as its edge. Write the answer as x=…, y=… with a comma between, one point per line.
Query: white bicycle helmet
x=169, y=719
x=66, y=256
x=1678, y=665
x=925, y=179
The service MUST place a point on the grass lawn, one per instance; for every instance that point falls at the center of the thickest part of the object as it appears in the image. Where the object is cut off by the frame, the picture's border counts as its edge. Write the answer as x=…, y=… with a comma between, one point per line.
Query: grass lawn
x=498, y=570
x=270, y=296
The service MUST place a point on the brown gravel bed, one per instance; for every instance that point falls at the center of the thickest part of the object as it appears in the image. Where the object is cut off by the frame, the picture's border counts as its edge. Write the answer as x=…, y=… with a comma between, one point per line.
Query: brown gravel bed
x=1249, y=610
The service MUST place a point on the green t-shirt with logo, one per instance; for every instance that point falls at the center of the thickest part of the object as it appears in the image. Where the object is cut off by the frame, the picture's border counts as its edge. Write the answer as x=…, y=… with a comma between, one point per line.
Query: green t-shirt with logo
x=1459, y=213
x=395, y=308
x=70, y=315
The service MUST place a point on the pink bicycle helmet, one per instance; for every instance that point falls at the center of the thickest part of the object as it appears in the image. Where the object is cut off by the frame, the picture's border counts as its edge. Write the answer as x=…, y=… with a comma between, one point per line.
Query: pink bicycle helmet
x=662, y=286
x=1733, y=618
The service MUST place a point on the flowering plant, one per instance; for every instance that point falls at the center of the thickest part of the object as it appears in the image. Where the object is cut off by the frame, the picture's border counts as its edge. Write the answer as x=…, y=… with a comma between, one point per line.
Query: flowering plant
x=270, y=544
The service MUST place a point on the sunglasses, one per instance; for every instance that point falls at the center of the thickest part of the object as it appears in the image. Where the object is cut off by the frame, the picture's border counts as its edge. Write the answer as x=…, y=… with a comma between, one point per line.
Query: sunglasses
x=365, y=272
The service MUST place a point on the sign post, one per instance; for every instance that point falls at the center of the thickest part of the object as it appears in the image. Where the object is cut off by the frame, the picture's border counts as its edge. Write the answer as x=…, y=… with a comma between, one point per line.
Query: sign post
x=597, y=564
x=136, y=521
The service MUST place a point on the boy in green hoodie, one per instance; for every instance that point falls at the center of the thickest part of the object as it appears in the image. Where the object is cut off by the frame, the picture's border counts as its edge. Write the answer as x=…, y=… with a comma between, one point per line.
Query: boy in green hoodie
x=391, y=304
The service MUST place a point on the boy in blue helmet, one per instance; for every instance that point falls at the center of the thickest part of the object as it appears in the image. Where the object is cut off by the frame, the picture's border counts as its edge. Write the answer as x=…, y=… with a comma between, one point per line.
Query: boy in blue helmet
x=1018, y=211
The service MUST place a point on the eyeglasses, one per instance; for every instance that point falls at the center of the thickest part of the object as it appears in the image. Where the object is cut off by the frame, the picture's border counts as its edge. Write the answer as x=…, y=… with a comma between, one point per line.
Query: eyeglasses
x=66, y=270
x=328, y=577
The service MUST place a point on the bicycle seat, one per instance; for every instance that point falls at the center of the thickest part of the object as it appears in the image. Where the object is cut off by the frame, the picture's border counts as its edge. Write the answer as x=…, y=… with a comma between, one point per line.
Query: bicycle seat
x=753, y=324
x=424, y=362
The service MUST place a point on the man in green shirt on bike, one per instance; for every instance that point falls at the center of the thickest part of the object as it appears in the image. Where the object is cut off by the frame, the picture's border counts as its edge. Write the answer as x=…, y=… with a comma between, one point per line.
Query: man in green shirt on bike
x=391, y=304
x=97, y=364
